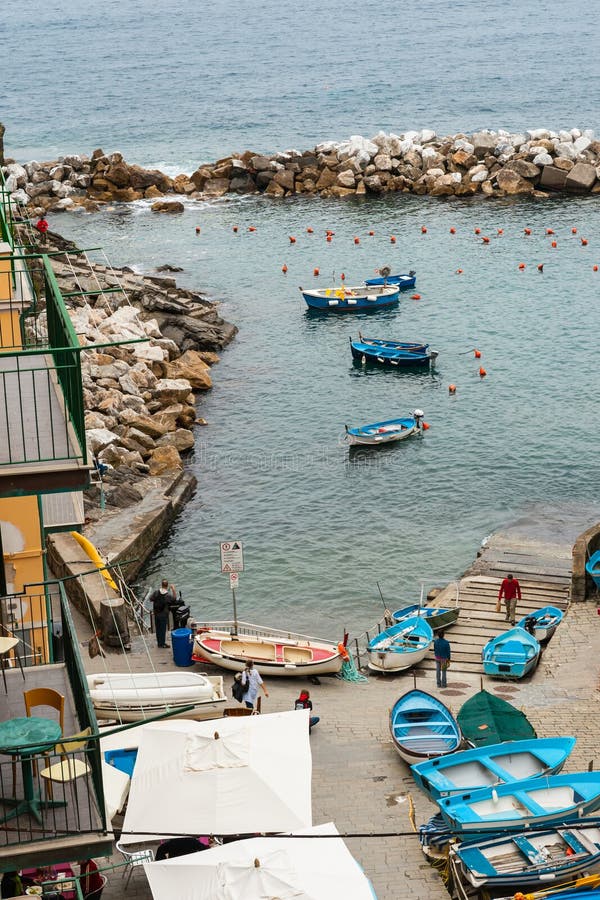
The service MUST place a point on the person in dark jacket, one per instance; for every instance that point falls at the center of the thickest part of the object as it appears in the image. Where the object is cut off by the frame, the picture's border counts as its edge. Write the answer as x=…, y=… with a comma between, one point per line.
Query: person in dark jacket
x=443, y=654
x=304, y=702
x=161, y=600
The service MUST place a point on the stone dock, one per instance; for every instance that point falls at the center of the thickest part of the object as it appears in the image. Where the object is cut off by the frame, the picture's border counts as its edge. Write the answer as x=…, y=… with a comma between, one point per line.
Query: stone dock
x=359, y=781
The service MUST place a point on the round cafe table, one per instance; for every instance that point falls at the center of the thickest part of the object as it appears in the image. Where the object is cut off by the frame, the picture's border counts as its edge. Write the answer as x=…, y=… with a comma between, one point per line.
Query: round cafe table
x=24, y=738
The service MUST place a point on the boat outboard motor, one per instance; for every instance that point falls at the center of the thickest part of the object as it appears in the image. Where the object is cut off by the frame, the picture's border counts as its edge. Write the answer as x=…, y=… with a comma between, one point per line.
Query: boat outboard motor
x=418, y=417
x=530, y=625
x=180, y=612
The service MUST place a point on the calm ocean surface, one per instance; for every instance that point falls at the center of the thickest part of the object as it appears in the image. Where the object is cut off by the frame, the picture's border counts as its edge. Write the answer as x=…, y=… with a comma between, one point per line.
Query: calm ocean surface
x=173, y=85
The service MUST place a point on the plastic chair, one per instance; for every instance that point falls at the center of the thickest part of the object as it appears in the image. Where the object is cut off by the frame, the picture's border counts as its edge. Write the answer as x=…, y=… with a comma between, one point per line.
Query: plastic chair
x=134, y=860
x=43, y=697
x=69, y=768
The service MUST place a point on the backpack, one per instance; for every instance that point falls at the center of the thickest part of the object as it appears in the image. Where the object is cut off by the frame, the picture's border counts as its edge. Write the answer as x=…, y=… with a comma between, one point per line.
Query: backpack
x=237, y=691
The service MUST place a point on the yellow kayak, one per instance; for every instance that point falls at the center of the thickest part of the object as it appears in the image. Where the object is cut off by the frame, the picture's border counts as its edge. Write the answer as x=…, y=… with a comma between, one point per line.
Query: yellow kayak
x=95, y=558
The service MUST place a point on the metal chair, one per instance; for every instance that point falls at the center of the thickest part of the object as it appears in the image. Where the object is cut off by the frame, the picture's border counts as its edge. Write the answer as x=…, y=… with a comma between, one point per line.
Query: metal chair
x=9, y=642
x=134, y=860
x=68, y=769
x=96, y=895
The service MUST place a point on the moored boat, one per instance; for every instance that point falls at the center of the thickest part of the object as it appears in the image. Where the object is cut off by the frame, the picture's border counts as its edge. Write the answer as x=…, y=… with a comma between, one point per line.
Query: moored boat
x=401, y=646
x=592, y=567
x=273, y=652
x=393, y=345
x=404, y=281
x=130, y=697
x=532, y=857
x=514, y=806
x=486, y=719
x=351, y=299
x=470, y=770
x=394, y=357
x=542, y=623
x=422, y=727
x=511, y=655
x=436, y=616
x=385, y=432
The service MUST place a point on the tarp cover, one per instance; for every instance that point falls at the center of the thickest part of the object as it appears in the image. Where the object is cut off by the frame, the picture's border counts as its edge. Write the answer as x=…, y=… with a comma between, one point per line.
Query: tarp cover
x=233, y=775
x=486, y=719
x=264, y=869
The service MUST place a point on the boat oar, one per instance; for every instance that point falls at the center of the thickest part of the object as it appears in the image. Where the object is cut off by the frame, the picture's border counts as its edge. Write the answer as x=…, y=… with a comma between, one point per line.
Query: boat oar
x=387, y=613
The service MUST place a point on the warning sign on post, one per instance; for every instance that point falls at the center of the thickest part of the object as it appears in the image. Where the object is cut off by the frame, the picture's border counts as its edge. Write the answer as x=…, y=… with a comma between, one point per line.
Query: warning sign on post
x=232, y=556
x=234, y=580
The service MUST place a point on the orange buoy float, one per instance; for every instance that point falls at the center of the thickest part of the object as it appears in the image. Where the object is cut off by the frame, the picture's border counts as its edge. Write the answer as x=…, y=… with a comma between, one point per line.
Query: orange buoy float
x=423, y=229
x=315, y=271
x=459, y=271
x=425, y=426
x=357, y=240
x=482, y=372
x=235, y=229
x=197, y=229
x=392, y=240
x=453, y=231
x=415, y=296
x=329, y=238
x=584, y=242
x=251, y=228
x=371, y=233
x=521, y=265
x=451, y=388
x=540, y=267
x=573, y=231
x=549, y=231
x=553, y=245
x=341, y=648
x=329, y=231
x=594, y=268
x=292, y=240
x=478, y=231
x=527, y=230
x=343, y=277
x=477, y=354
x=309, y=231
x=485, y=240
x=500, y=231
x=284, y=268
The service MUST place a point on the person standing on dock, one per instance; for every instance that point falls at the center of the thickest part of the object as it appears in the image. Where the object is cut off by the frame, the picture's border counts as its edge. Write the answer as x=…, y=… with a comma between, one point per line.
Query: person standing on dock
x=510, y=589
x=252, y=678
x=161, y=600
x=443, y=654
x=42, y=227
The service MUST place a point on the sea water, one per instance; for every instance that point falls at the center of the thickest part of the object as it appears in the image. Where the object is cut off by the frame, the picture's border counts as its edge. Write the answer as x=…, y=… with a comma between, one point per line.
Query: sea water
x=173, y=85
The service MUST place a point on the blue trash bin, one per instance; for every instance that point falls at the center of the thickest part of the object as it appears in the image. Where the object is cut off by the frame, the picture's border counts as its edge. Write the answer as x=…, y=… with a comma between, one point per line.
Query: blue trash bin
x=182, y=641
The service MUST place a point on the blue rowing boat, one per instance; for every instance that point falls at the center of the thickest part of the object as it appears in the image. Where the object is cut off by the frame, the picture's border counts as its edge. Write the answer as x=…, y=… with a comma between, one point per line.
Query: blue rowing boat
x=403, y=281
x=385, y=432
x=530, y=802
x=542, y=623
x=418, y=355
x=592, y=567
x=511, y=655
x=492, y=764
x=436, y=616
x=401, y=646
x=351, y=299
x=530, y=858
x=422, y=727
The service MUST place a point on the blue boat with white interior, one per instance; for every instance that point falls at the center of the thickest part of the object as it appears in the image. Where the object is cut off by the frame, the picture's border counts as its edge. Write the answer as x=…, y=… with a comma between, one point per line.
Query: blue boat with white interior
x=592, y=567
x=385, y=432
x=542, y=623
x=517, y=805
x=416, y=356
x=436, y=616
x=511, y=655
x=401, y=646
x=405, y=281
x=351, y=299
x=422, y=727
x=492, y=764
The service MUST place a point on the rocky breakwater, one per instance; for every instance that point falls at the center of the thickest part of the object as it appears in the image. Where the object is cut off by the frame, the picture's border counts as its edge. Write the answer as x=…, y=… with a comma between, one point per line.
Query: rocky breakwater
x=491, y=163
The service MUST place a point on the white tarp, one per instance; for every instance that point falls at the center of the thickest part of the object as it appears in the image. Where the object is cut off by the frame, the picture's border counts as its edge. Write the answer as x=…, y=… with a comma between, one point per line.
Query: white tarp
x=232, y=775
x=264, y=869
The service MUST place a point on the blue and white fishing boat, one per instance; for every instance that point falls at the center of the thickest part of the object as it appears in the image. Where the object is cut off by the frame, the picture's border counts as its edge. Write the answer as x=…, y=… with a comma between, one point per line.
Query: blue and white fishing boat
x=422, y=727
x=511, y=655
x=393, y=357
x=401, y=646
x=533, y=801
x=351, y=299
x=531, y=857
x=470, y=770
x=592, y=567
x=420, y=347
x=385, y=432
x=436, y=616
x=542, y=623
x=407, y=280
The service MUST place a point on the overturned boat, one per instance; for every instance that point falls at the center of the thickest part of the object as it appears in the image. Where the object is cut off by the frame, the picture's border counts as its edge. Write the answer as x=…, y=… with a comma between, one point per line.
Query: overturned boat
x=132, y=697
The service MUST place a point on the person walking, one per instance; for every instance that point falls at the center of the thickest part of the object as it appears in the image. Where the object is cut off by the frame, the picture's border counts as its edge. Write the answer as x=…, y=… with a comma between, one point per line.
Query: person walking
x=510, y=589
x=304, y=702
x=252, y=678
x=161, y=600
x=443, y=654
x=90, y=879
x=41, y=227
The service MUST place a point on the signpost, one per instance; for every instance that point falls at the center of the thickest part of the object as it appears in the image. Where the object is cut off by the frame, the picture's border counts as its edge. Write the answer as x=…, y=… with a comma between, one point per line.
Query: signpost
x=232, y=563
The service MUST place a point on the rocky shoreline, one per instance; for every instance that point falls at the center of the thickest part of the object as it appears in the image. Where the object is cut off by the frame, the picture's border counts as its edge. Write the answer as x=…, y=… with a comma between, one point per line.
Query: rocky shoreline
x=489, y=163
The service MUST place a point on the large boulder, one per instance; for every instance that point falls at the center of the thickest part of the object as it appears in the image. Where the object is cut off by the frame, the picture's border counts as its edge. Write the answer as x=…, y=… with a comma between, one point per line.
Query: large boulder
x=192, y=367
x=524, y=168
x=99, y=438
x=512, y=183
x=581, y=178
x=164, y=459
x=171, y=390
x=168, y=206
x=483, y=142
x=182, y=439
x=553, y=178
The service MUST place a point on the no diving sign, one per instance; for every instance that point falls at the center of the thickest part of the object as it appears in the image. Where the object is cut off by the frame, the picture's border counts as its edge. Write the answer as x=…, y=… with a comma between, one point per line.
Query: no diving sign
x=234, y=580
x=232, y=556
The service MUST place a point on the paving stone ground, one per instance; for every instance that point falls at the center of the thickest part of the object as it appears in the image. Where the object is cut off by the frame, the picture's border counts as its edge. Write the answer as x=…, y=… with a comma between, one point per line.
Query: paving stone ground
x=361, y=784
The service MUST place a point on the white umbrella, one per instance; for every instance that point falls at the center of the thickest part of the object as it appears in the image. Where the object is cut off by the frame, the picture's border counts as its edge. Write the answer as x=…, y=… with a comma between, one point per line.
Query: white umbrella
x=234, y=775
x=272, y=868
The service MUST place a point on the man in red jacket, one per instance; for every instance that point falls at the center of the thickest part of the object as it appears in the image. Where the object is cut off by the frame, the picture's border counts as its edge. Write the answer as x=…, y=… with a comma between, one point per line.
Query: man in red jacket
x=42, y=227
x=510, y=589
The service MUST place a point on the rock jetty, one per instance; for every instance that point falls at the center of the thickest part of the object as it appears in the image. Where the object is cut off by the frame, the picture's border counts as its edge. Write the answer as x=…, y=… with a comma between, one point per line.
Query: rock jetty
x=491, y=163
x=139, y=397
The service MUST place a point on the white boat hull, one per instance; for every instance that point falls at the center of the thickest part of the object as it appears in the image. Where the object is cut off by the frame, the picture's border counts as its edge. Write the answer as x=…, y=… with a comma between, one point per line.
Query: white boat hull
x=135, y=697
x=271, y=656
x=388, y=661
x=372, y=440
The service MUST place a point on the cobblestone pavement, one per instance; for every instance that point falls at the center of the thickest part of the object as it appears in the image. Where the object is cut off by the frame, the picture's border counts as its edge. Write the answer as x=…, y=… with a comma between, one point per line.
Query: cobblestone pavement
x=361, y=784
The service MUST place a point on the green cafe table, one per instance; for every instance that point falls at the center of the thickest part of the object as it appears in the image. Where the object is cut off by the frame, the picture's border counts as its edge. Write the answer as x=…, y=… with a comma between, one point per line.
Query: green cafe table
x=24, y=738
